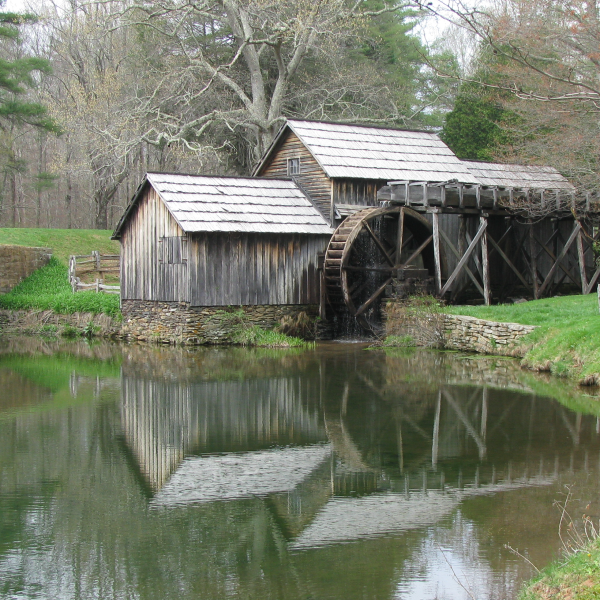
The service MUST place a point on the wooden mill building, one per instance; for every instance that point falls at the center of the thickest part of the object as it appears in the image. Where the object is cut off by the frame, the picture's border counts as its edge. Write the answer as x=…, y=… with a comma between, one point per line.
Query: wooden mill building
x=334, y=214
x=342, y=167
x=193, y=246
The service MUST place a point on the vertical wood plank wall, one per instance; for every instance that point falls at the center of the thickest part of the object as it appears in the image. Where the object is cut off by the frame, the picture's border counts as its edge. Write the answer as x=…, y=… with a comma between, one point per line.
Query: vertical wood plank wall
x=356, y=191
x=144, y=276
x=312, y=178
x=222, y=269
x=252, y=269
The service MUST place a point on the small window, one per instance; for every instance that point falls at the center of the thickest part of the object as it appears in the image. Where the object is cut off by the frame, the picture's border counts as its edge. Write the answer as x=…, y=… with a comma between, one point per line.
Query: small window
x=293, y=165
x=173, y=250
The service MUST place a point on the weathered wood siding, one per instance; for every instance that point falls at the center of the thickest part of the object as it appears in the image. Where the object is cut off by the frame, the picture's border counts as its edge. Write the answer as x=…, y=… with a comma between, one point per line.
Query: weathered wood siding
x=146, y=273
x=312, y=178
x=235, y=269
x=356, y=191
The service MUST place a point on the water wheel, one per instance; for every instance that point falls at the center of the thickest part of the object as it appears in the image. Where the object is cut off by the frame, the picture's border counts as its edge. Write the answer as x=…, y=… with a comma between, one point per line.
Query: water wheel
x=367, y=251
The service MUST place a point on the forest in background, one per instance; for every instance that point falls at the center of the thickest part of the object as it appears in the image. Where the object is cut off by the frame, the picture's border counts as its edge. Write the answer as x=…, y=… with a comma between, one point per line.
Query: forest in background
x=93, y=94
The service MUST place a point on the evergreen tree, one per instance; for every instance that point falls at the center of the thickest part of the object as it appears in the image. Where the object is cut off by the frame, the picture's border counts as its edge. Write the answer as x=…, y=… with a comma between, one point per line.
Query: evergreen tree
x=19, y=75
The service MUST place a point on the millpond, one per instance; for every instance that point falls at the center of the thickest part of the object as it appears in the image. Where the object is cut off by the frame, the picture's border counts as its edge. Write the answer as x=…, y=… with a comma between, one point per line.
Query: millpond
x=334, y=472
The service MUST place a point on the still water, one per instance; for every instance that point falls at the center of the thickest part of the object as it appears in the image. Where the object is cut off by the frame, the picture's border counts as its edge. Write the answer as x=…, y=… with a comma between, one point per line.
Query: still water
x=131, y=472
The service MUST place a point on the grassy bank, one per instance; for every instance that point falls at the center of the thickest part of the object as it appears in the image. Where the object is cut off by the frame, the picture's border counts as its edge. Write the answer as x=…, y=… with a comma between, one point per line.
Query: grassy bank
x=576, y=577
x=567, y=341
x=64, y=242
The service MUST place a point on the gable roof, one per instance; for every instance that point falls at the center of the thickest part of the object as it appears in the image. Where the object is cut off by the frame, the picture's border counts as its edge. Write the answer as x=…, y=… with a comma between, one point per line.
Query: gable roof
x=233, y=204
x=518, y=176
x=376, y=153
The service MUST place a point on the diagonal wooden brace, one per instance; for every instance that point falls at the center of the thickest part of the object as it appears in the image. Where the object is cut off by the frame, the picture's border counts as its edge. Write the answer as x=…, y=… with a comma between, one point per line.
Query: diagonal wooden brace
x=463, y=261
x=560, y=257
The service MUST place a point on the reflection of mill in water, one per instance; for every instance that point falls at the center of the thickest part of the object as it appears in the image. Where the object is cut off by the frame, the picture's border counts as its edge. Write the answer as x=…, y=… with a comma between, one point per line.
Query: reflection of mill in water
x=209, y=441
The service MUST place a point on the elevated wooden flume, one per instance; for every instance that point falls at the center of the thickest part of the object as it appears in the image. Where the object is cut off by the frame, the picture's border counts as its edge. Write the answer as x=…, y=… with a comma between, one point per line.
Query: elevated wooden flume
x=471, y=241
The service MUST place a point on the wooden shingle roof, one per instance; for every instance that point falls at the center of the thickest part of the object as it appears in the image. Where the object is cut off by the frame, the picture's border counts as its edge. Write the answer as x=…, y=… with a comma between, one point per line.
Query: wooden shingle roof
x=377, y=153
x=235, y=204
x=518, y=176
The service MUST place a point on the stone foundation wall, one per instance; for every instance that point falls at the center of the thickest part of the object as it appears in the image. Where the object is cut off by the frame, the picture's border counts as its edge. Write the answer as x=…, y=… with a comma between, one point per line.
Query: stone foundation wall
x=471, y=334
x=456, y=332
x=18, y=262
x=180, y=323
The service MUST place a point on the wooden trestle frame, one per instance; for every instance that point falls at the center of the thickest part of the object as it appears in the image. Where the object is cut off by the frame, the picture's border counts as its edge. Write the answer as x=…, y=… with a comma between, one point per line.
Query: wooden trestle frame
x=522, y=245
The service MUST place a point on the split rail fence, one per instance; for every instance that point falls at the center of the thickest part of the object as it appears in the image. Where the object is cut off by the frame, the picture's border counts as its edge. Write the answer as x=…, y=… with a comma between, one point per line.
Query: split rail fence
x=95, y=263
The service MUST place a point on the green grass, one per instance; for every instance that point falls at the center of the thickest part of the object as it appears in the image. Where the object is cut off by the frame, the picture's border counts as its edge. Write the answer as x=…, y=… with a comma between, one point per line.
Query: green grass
x=398, y=341
x=267, y=338
x=64, y=242
x=48, y=289
x=567, y=341
x=575, y=578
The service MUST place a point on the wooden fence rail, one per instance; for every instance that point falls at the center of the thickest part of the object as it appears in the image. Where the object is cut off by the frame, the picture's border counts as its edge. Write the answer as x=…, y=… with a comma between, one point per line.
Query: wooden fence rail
x=95, y=263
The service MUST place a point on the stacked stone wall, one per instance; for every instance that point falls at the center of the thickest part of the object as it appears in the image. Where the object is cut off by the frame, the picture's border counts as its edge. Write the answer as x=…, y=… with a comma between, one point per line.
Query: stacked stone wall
x=471, y=334
x=456, y=332
x=180, y=323
x=18, y=262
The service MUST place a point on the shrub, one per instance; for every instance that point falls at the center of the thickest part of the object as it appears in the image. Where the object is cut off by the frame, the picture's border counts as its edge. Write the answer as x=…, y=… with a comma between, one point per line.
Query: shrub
x=418, y=318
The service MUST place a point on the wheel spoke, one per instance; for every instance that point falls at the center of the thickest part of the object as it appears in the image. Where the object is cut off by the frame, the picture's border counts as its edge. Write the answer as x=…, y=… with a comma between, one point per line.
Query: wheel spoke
x=373, y=297
x=379, y=244
x=418, y=251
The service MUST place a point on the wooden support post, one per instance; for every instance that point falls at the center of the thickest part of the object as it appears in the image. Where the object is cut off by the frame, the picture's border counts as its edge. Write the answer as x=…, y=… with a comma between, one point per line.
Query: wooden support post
x=436, y=251
x=478, y=195
x=443, y=195
x=462, y=242
x=400, y=238
x=460, y=195
x=533, y=258
x=485, y=262
x=581, y=257
x=322, y=295
x=495, y=198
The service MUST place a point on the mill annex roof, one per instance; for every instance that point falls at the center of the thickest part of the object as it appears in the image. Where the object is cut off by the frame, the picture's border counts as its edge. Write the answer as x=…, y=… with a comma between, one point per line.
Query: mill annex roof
x=233, y=204
x=518, y=176
x=376, y=153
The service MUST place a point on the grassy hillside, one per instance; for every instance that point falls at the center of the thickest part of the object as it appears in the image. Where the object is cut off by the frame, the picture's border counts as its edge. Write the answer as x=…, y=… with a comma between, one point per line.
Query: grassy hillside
x=567, y=341
x=63, y=242
x=48, y=288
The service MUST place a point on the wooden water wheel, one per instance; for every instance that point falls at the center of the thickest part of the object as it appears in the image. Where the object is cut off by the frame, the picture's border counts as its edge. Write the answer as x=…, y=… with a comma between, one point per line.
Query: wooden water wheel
x=368, y=250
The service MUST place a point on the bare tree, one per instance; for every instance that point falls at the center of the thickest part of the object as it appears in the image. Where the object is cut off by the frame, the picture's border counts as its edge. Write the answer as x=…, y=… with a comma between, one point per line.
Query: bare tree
x=238, y=66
